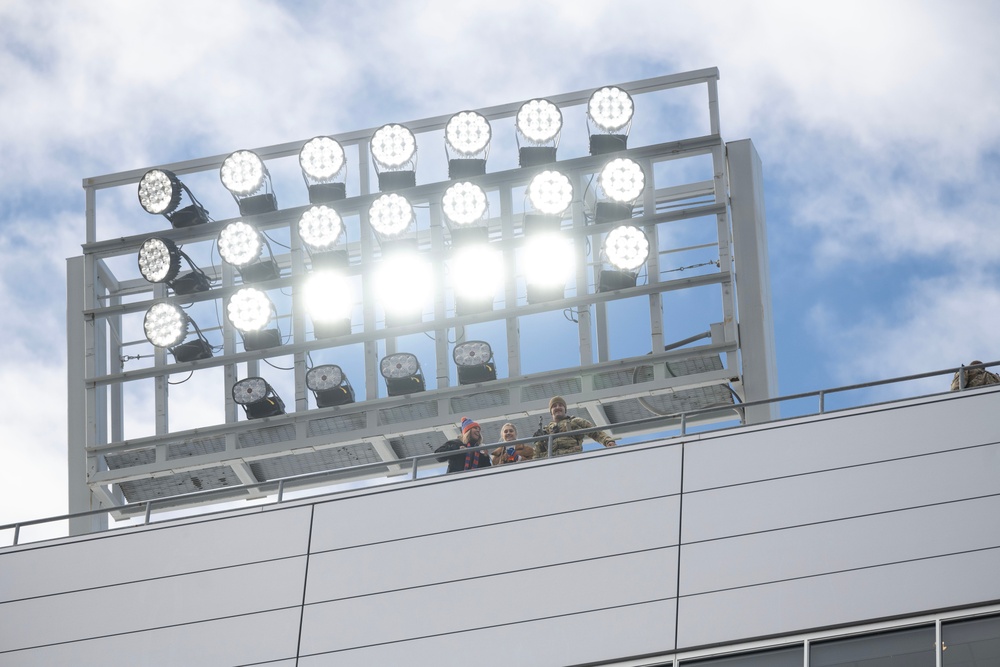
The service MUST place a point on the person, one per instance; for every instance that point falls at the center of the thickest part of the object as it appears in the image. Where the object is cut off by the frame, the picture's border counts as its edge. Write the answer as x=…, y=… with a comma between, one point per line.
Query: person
x=511, y=453
x=974, y=377
x=563, y=422
x=471, y=437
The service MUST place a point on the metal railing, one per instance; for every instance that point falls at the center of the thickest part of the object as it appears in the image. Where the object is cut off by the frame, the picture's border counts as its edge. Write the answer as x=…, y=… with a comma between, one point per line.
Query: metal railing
x=674, y=426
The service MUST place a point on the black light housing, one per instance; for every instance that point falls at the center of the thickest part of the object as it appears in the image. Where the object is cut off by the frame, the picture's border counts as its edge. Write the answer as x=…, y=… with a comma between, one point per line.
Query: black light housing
x=161, y=192
x=329, y=385
x=402, y=374
x=257, y=398
x=474, y=361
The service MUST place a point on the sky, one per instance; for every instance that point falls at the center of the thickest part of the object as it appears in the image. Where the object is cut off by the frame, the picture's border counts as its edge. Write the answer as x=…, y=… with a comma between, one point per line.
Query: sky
x=876, y=121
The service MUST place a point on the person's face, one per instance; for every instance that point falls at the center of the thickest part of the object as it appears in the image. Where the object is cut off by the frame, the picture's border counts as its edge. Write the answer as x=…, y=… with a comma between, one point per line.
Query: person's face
x=473, y=435
x=558, y=411
x=508, y=433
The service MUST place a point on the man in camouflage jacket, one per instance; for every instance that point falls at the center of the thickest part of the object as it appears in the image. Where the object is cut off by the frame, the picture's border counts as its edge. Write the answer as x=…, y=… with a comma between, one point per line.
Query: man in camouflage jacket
x=974, y=377
x=563, y=422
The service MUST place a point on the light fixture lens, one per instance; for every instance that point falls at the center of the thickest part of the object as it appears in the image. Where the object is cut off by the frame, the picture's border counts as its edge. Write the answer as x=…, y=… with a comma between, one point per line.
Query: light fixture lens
x=327, y=297
x=239, y=243
x=250, y=390
x=472, y=353
x=322, y=158
x=403, y=283
x=324, y=377
x=165, y=325
x=626, y=247
x=477, y=271
x=249, y=309
x=539, y=120
x=243, y=173
x=622, y=180
x=550, y=192
x=464, y=203
x=390, y=214
x=159, y=191
x=548, y=259
x=467, y=133
x=320, y=227
x=610, y=108
x=401, y=365
x=393, y=146
x=158, y=260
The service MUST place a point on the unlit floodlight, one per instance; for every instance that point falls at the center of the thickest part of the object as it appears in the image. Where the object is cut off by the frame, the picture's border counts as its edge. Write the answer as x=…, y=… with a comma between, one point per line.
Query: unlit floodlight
x=257, y=398
x=474, y=360
x=402, y=374
x=329, y=385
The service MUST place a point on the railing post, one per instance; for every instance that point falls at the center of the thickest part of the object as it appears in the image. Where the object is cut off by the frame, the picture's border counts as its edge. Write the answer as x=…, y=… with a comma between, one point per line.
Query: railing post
x=683, y=423
x=17, y=531
x=281, y=490
x=149, y=509
x=549, y=447
x=413, y=469
x=822, y=402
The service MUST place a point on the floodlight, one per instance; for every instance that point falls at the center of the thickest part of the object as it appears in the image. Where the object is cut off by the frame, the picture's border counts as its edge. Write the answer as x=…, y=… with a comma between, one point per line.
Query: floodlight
x=550, y=192
x=324, y=168
x=402, y=374
x=394, y=153
x=330, y=386
x=476, y=270
x=160, y=262
x=166, y=326
x=258, y=398
x=250, y=311
x=609, y=111
x=474, y=360
x=327, y=298
x=626, y=248
x=403, y=282
x=161, y=192
x=467, y=142
x=319, y=228
x=621, y=183
x=240, y=244
x=245, y=175
x=548, y=258
x=464, y=203
x=390, y=214
x=538, y=123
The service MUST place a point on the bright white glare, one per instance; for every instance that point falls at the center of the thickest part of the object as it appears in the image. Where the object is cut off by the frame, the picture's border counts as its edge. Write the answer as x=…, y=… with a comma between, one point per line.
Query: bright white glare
x=403, y=284
x=155, y=260
x=322, y=158
x=548, y=259
x=324, y=377
x=320, y=227
x=626, y=247
x=249, y=309
x=550, y=192
x=393, y=146
x=464, y=203
x=165, y=325
x=610, y=108
x=239, y=243
x=327, y=296
x=476, y=271
x=622, y=180
x=539, y=120
x=250, y=390
x=157, y=193
x=390, y=214
x=472, y=353
x=243, y=173
x=467, y=133
x=401, y=365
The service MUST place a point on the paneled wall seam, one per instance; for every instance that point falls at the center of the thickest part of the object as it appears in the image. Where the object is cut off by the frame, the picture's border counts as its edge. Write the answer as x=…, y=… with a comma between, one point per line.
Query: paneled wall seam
x=680, y=547
x=305, y=581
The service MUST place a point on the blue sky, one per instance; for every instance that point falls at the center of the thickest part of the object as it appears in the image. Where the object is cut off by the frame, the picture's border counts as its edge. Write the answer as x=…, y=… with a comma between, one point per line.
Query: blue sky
x=876, y=123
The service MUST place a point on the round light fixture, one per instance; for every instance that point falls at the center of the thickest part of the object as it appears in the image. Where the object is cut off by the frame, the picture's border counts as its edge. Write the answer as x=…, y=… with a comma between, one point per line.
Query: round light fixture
x=390, y=214
x=159, y=260
x=165, y=325
x=610, y=108
x=626, y=247
x=467, y=133
x=393, y=146
x=239, y=243
x=550, y=192
x=321, y=378
x=322, y=158
x=539, y=120
x=249, y=309
x=159, y=191
x=464, y=203
x=242, y=173
x=622, y=180
x=320, y=227
x=250, y=390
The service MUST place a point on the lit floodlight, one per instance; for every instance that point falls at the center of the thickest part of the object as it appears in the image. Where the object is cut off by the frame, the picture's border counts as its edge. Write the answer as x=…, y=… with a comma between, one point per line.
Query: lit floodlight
x=245, y=175
x=621, y=183
x=476, y=270
x=550, y=192
x=474, y=360
x=160, y=262
x=324, y=166
x=330, y=386
x=548, y=258
x=390, y=214
x=328, y=302
x=240, y=244
x=464, y=203
x=257, y=398
x=626, y=248
x=402, y=374
x=394, y=153
x=467, y=141
x=320, y=227
x=250, y=311
x=403, y=283
x=166, y=326
x=538, y=123
x=161, y=192
x=609, y=111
